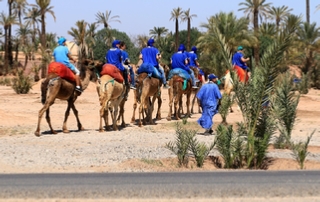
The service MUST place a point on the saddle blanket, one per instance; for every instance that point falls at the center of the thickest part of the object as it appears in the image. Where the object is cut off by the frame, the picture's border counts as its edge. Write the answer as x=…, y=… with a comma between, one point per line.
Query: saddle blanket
x=62, y=70
x=149, y=69
x=113, y=71
x=180, y=72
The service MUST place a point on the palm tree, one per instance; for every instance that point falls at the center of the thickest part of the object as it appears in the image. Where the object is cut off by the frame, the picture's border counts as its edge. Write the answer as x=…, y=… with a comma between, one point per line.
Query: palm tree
x=142, y=41
x=186, y=16
x=308, y=11
x=308, y=35
x=19, y=7
x=80, y=34
x=6, y=21
x=44, y=7
x=23, y=33
x=279, y=14
x=33, y=18
x=256, y=9
x=9, y=44
x=92, y=30
x=106, y=19
x=175, y=16
x=158, y=32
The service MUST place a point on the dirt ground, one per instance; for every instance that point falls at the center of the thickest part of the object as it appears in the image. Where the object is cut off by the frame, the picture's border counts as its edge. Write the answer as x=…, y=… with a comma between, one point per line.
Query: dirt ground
x=18, y=122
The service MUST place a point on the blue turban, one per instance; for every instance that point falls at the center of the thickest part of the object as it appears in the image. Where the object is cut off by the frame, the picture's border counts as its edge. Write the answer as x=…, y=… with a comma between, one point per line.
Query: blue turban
x=194, y=49
x=212, y=76
x=240, y=48
x=181, y=48
x=150, y=42
x=115, y=43
x=61, y=40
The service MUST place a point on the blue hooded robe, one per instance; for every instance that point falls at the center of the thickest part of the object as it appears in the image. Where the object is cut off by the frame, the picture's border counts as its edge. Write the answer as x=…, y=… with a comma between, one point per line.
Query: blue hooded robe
x=209, y=95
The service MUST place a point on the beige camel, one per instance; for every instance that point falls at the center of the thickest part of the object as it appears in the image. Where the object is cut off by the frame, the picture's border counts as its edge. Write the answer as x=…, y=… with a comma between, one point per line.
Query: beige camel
x=147, y=87
x=111, y=94
x=228, y=85
x=55, y=87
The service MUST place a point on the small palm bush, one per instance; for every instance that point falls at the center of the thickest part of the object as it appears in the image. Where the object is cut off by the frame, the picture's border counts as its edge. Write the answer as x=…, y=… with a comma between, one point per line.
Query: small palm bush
x=226, y=103
x=21, y=84
x=200, y=150
x=180, y=146
x=285, y=105
x=300, y=151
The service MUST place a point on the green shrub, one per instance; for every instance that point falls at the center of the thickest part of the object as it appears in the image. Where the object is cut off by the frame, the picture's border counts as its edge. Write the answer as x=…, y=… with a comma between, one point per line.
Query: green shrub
x=284, y=106
x=21, y=84
x=5, y=82
x=226, y=103
x=300, y=151
x=200, y=150
x=180, y=146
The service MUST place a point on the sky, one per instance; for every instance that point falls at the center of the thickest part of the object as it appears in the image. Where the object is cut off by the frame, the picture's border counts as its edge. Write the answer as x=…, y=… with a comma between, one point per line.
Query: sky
x=139, y=16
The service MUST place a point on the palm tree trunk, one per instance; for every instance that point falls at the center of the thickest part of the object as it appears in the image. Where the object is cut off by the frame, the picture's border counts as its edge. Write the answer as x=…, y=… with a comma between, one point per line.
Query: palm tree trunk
x=256, y=33
x=10, y=57
x=6, y=52
x=177, y=34
x=308, y=11
x=43, y=44
x=188, y=37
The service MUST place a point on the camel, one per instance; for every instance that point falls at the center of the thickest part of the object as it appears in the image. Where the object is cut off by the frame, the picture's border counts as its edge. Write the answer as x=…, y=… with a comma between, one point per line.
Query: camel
x=194, y=99
x=111, y=94
x=147, y=87
x=175, y=95
x=55, y=87
x=158, y=115
x=228, y=85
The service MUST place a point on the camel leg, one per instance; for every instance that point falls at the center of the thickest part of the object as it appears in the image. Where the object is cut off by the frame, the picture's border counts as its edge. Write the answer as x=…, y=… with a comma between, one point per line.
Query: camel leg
x=199, y=106
x=193, y=101
x=145, y=109
x=76, y=113
x=151, y=108
x=66, y=115
x=116, y=109
x=49, y=121
x=102, y=112
x=170, y=104
x=188, y=105
x=42, y=110
x=159, y=108
x=140, y=113
x=177, y=106
x=121, y=113
x=133, y=119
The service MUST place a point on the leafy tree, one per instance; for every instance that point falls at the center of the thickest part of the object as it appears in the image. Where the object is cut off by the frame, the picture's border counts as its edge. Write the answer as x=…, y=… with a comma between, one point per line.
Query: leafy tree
x=279, y=14
x=255, y=9
x=158, y=32
x=44, y=7
x=6, y=21
x=100, y=49
x=19, y=8
x=186, y=16
x=176, y=14
x=33, y=18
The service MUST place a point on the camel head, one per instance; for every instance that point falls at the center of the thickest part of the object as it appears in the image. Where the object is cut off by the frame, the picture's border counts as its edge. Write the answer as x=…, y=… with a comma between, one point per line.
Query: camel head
x=91, y=67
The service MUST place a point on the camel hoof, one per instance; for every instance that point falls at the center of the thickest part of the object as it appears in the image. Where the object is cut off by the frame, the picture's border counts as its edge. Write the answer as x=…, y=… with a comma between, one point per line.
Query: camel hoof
x=37, y=134
x=101, y=130
x=54, y=132
x=81, y=128
x=123, y=125
x=168, y=118
x=64, y=131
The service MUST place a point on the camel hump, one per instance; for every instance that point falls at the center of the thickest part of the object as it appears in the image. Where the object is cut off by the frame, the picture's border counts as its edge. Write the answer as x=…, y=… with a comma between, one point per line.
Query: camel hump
x=113, y=71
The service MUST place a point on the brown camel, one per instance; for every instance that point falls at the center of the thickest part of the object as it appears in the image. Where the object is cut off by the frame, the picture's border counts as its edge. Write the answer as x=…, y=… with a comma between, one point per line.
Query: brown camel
x=55, y=87
x=175, y=95
x=147, y=87
x=111, y=94
x=194, y=99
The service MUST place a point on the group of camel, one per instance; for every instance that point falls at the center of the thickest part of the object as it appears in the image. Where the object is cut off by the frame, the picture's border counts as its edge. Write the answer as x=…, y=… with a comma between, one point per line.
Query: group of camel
x=113, y=95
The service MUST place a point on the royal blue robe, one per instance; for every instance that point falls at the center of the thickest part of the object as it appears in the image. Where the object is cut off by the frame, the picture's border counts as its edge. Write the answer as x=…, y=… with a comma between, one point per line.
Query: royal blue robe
x=209, y=95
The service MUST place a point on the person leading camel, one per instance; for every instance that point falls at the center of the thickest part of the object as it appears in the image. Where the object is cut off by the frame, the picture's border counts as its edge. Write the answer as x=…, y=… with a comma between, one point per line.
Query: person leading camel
x=126, y=61
x=239, y=64
x=114, y=56
x=210, y=100
x=151, y=55
x=180, y=60
x=61, y=54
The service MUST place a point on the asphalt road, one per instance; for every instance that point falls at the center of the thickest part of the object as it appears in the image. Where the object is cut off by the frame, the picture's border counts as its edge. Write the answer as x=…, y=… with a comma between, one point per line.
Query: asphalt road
x=223, y=184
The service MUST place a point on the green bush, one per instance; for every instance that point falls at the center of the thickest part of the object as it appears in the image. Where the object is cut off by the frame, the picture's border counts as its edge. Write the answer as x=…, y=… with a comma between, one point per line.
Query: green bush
x=226, y=103
x=180, y=146
x=300, y=151
x=200, y=150
x=21, y=84
x=5, y=82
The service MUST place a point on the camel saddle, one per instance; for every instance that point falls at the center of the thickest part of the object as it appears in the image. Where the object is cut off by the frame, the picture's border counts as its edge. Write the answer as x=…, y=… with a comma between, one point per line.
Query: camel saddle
x=61, y=70
x=112, y=71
